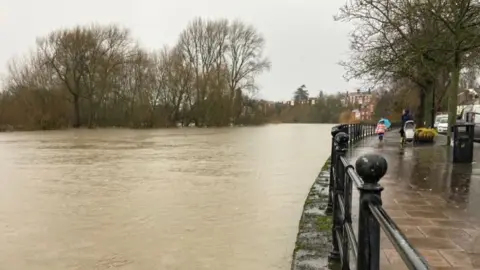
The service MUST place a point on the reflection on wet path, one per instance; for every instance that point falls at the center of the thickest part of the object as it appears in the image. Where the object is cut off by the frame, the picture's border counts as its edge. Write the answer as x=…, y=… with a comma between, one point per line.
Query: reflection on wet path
x=429, y=169
x=163, y=199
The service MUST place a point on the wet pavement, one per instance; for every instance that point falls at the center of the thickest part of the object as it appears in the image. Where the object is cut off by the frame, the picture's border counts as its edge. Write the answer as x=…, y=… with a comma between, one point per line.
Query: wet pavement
x=434, y=202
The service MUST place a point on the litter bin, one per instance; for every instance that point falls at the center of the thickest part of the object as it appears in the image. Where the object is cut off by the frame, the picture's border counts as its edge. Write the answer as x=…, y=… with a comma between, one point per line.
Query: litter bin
x=470, y=117
x=463, y=135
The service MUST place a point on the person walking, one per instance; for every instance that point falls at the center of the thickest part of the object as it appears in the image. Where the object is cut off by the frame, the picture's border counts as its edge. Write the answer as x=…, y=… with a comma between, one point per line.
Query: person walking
x=381, y=129
x=406, y=116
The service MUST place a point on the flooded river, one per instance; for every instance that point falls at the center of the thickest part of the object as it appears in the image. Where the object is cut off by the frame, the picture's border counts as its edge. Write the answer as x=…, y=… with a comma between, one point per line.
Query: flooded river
x=187, y=199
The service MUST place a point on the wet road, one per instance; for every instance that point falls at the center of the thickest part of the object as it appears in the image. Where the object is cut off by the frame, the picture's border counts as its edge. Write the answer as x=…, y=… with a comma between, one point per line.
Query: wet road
x=160, y=199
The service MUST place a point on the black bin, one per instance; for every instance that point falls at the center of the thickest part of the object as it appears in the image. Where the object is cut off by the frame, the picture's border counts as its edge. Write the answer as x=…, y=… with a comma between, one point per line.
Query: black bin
x=470, y=117
x=463, y=135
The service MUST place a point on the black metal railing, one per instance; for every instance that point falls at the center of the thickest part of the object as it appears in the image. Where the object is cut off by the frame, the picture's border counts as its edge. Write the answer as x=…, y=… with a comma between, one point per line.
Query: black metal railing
x=368, y=170
x=358, y=131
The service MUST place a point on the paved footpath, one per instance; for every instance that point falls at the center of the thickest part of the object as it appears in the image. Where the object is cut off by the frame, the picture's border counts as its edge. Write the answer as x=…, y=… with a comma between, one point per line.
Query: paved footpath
x=435, y=203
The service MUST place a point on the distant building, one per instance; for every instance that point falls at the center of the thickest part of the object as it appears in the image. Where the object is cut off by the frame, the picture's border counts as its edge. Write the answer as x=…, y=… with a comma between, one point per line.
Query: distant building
x=358, y=97
x=310, y=101
x=363, y=103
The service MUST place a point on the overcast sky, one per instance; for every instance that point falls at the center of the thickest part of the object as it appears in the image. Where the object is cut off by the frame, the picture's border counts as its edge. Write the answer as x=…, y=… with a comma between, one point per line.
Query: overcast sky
x=303, y=42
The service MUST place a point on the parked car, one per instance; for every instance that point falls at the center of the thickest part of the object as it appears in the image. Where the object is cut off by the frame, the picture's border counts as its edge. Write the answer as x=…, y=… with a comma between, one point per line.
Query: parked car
x=438, y=118
x=442, y=124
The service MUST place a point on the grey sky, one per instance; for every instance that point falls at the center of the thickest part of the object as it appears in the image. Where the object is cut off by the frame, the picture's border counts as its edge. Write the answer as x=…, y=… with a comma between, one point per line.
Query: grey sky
x=303, y=42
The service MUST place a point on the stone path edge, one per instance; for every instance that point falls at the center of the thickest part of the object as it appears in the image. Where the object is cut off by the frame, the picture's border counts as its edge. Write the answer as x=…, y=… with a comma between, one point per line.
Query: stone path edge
x=314, y=236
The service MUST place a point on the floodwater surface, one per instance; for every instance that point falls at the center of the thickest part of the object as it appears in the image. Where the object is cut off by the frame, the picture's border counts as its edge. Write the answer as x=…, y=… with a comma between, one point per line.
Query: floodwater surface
x=187, y=199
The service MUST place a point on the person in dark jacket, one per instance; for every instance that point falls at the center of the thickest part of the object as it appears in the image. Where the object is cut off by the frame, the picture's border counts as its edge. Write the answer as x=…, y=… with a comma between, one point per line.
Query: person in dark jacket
x=406, y=116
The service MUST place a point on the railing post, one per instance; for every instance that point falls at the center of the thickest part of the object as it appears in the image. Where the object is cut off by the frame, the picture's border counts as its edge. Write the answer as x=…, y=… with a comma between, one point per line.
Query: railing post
x=350, y=133
x=347, y=218
x=354, y=134
x=341, y=147
x=355, y=127
x=371, y=168
x=335, y=131
x=358, y=133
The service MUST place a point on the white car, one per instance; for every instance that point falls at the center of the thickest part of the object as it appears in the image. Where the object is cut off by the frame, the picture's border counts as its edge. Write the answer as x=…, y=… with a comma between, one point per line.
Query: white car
x=438, y=118
x=442, y=125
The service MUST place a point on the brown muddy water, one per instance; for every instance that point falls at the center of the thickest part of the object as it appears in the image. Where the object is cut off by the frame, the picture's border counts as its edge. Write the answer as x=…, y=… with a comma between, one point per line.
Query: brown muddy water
x=156, y=199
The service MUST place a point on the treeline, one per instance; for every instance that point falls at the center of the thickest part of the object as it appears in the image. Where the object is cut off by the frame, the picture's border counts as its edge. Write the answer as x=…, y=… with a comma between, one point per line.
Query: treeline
x=98, y=76
x=426, y=51
x=321, y=109
x=327, y=109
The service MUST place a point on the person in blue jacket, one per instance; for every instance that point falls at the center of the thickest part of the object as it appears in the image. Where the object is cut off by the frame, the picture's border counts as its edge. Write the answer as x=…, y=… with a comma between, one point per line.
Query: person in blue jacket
x=406, y=116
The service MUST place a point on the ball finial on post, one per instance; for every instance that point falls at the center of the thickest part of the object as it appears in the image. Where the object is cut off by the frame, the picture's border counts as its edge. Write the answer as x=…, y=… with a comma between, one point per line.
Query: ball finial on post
x=339, y=128
x=341, y=139
x=335, y=131
x=371, y=168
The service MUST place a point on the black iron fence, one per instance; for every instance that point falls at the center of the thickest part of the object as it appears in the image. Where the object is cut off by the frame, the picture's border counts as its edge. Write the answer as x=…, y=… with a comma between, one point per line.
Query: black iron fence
x=369, y=169
x=357, y=131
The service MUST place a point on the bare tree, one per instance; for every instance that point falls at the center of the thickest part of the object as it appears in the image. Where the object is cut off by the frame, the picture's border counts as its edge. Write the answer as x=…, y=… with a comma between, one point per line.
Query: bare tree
x=103, y=78
x=245, y=60
x=66, y=52
x=113, y=49
x=421, y=38
x=203, y=44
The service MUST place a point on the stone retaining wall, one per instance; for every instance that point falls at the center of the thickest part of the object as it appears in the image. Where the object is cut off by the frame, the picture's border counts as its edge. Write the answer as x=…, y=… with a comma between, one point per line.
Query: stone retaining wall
x=313, y=243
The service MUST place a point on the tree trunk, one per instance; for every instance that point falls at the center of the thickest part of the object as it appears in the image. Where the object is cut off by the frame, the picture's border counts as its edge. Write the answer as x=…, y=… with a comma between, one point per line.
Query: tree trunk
x=76, y=111
x=433, y=110
x=452, y=96
x=91, y=114
x=421, y=110
x=428, y=104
